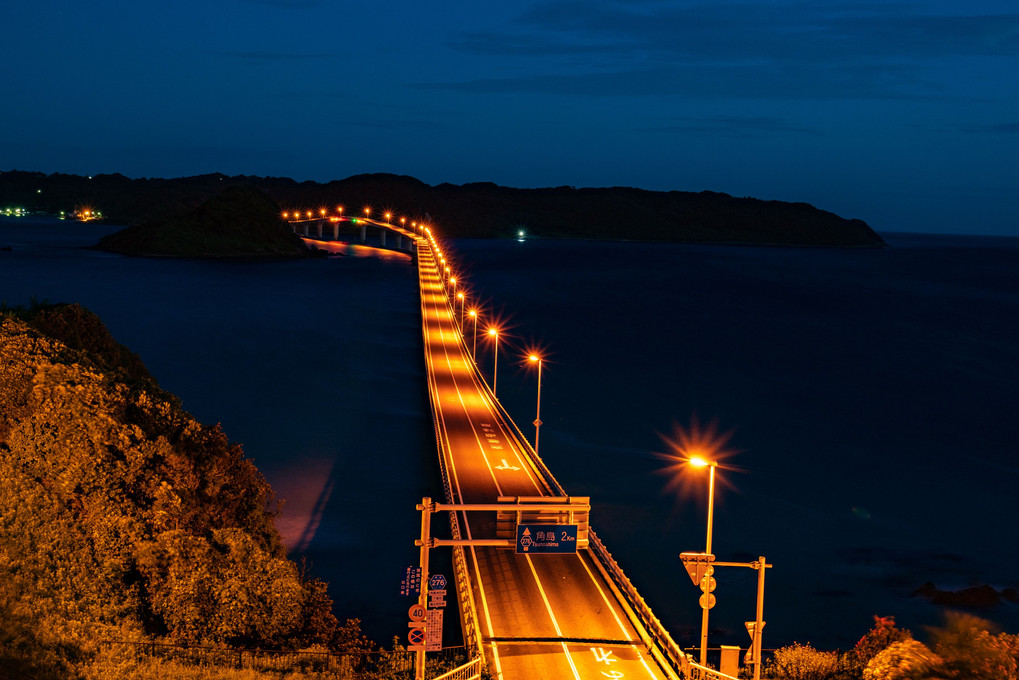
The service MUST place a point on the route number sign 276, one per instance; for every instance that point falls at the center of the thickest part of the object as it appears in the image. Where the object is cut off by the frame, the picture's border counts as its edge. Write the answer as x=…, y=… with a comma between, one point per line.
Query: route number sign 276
x=546, y=538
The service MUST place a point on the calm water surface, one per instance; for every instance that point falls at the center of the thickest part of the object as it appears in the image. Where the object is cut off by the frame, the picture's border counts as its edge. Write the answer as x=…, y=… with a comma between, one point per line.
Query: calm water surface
x=867, y=396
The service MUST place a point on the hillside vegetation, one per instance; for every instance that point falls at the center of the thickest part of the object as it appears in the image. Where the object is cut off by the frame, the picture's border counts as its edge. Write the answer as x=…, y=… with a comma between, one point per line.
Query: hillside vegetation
x=123, y=517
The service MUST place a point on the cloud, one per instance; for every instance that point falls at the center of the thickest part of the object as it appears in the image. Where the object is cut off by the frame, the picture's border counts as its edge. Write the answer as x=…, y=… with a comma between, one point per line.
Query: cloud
x=750, y=30
x=274, y=56
x=762, y=49
x=999, y=129
x=289, y=4
x=732, y=126
x=751, y=81
x=397, y=124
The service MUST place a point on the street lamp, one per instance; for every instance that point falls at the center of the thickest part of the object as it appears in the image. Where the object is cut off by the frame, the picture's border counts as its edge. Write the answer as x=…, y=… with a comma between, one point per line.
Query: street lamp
x=534, y=358
x=460, y=296
x=699, y=462
x=474, y=350
x=494, y=334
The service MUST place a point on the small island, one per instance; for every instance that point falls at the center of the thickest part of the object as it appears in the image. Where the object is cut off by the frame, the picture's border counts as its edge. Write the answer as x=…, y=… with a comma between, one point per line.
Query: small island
x=240, y=222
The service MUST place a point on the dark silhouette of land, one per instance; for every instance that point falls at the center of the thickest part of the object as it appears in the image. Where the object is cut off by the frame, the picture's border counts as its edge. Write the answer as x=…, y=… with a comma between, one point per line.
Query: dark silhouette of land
x=240, y=222
x=481, y=210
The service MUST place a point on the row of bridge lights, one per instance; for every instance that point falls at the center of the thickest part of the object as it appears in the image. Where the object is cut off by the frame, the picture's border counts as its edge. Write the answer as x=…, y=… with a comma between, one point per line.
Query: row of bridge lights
x=322, y=212
x=533, y=358
x=448, y=278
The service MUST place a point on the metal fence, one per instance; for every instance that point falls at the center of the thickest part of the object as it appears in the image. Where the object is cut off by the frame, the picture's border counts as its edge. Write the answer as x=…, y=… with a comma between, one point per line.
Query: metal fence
x=355, y=666
x=469, y=671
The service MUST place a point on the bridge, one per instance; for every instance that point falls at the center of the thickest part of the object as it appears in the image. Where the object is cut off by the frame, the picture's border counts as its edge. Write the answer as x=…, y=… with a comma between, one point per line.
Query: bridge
x=573, y=615
x=315, y=226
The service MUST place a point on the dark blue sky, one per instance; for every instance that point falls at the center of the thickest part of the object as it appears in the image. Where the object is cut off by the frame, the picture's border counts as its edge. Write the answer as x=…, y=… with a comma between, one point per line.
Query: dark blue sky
x=905, y=115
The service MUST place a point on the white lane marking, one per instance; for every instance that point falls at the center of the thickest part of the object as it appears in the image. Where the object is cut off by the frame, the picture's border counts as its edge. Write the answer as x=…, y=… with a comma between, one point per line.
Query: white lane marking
x=605, y=599
x=505, y=465
x=551, y=615
x=619, y=622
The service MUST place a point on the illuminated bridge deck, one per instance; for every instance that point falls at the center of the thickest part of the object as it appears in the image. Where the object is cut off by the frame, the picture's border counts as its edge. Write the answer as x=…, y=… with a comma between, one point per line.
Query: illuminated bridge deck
x=540, y=616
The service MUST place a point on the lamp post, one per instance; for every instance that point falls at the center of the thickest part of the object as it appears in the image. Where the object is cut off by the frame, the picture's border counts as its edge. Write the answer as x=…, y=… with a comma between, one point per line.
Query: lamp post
x=494, y=334
x=534, y=358
x=474, y=350
x=697, y=461
x=460, y=296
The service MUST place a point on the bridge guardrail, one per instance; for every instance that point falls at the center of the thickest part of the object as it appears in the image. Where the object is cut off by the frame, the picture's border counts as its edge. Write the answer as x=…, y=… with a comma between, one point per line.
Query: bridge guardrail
x=675, y=658
x=461, y=574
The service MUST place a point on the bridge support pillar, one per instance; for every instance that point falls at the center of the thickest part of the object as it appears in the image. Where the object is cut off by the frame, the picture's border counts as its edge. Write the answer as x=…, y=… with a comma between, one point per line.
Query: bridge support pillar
x=399, y=242
x=306, y=229
x=363, y=237
x=382, y=237
x=336, y=231
x=320, y=230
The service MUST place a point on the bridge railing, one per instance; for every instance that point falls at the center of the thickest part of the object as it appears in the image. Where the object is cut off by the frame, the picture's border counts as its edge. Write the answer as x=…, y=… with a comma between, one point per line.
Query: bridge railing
x=461, y=573
x=659, y=638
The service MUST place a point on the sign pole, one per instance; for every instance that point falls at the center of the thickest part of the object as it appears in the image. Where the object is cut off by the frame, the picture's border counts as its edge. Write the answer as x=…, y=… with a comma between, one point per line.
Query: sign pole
x=425, y=543
x=759, y=622
x=707, y=550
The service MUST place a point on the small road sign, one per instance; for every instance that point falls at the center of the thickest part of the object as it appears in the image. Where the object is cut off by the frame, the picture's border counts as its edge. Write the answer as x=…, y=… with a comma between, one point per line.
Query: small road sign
x=707, y=600
x=698, y=565
x=546, y=538
x=417, y=613
x=436, y=599
x=416, y=636
x=437, y=582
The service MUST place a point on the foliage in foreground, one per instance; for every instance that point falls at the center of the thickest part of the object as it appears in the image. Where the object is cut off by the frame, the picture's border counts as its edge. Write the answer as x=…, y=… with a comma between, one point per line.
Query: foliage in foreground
x=122, y=517
x=963, y=649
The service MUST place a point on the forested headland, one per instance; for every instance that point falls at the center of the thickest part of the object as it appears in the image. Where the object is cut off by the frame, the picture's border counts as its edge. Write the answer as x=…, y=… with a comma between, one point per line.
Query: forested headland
x=123, y=518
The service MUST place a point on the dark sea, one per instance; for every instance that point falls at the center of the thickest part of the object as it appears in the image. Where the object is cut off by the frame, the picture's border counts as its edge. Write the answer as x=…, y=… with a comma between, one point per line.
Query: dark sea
x=863, y=403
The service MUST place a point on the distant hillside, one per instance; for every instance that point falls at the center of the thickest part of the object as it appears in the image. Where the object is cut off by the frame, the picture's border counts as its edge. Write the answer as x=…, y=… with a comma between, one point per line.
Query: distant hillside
x=472, y=210
x=241, y=221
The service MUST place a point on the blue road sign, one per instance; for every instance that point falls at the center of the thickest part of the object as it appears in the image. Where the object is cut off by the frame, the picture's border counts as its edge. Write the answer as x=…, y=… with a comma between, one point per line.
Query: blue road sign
x=437, y=582
x=546, y=538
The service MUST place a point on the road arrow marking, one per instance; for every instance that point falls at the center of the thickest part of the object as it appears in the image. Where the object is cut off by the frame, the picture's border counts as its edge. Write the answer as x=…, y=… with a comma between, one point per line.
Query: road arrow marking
x=506, y=466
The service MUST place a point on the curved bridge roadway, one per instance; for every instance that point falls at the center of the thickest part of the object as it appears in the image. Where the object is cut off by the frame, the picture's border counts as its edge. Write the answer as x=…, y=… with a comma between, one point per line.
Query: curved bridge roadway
x=541, y=616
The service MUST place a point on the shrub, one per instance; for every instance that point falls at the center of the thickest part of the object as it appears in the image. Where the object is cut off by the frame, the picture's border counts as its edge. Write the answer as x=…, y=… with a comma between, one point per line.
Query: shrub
x=970, y=651
x=903, y=660
x=878, y=638
x=803, y=662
